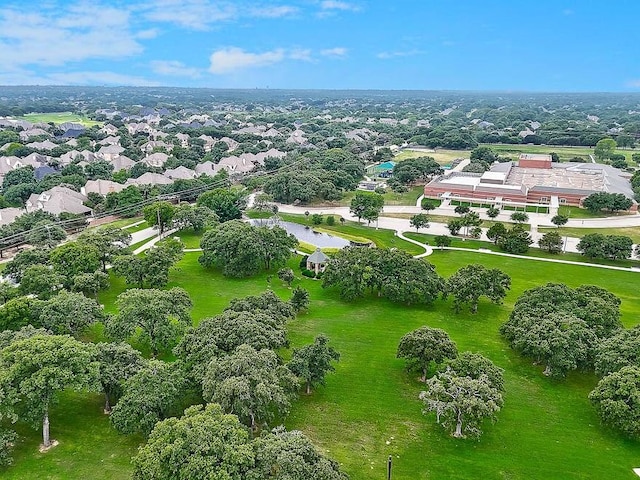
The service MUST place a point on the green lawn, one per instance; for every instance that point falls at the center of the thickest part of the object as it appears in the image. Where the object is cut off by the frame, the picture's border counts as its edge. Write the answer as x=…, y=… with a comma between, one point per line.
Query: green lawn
x=369, y=407
x=565, y=153
x=442, y=156
x=577, y=212
x=60, y=117
x=390, y=198
x=445, y=219
x=89, y=447
x=632, y=232
x=461, y=242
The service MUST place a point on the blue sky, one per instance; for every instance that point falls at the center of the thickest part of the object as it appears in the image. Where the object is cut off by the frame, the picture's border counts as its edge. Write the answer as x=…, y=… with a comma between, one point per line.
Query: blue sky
x=551, y=45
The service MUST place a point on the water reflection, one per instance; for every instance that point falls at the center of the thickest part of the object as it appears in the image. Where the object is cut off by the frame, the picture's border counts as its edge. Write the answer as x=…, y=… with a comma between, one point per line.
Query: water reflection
x=304, y=234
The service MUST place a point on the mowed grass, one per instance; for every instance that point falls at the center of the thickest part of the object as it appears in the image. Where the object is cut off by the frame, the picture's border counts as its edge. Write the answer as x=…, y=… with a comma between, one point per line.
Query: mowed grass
x=442, y=156
x=577, y=212
x=565, y=153
x=60, y=117
x=88, y=446
x=371, y=400
x=390, y=198
x=369, y=407
x=631, y=232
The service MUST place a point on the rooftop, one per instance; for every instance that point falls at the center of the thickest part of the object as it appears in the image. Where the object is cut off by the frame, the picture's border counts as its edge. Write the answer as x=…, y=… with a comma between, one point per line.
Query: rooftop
x=535, y=156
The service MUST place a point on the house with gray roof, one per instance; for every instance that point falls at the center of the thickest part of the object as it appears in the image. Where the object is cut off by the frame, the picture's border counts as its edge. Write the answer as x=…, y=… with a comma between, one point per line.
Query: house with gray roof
x=9, y=163
x=33, y=132
x=231, y=143
x=183, y=138
x=57, y=200
x=8, y=215
x=109, y=152
x=207, y=168
x=157, y=159
x=46, y=145
x=180, y=173
x=102, y=187
x=149, y=178
x=122, y=162
x=110, y=140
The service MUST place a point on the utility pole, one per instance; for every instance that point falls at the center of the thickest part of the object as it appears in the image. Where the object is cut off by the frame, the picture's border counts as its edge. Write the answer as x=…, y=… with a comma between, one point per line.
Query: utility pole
x=389, y=463
x=159, y=224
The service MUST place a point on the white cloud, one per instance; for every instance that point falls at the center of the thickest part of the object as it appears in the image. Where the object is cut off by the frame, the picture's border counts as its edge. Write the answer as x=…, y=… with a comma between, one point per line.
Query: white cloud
x=274, y=11
x=633, y=83
x=19, y=76
x=192, y=14
x=147, y=34
x=56, y=37
x=396, y=54
x=336, y=52
x=174, y=68
x=338, y=5
x=227, y=60
x=303, y=54
x=98, y=78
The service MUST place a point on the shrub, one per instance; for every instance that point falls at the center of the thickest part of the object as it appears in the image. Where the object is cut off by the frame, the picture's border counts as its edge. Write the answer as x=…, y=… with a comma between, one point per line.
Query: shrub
x=331, y=220
x=308, y=273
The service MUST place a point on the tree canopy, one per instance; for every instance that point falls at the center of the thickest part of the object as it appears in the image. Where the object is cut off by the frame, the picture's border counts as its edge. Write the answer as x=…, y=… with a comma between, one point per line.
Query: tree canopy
x=160, y=315
x=469, y=283
x=117, y=363
x=252, y=384
x=461, y=403
x=312, y=362
x=243, y=250
x=367, y=205
x=394, y=274
x=425, y=345
x=225, y=203
x=560, y=326
x=36, y=369
x=152, y=394
x=616, y=398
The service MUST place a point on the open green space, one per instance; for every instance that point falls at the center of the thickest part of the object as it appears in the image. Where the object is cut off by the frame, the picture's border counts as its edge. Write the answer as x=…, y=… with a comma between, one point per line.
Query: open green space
x=60, y=117
x=577, y=212
x=534, y=252
x=123, y=223
x=565, y=153
x=369, y=407
x=442, y=156
x=631, y=232
x=445, y=219
x=390, y=198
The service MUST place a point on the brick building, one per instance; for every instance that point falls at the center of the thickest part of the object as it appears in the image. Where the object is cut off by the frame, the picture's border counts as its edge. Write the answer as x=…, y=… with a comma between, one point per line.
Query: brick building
x=535, y=180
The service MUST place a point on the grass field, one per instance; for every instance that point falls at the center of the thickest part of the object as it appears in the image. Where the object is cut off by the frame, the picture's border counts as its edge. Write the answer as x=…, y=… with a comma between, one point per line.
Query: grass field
x=369, y=407
x=390, y=198
x=577, y=212
x=631, y=232
x=565, y=153
x=442, y=156
x=60, y=117
x=445, y=219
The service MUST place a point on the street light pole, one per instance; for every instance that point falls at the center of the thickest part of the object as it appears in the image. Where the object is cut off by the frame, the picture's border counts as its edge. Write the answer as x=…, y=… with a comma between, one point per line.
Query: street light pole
x=389, y=463
x=159, y=224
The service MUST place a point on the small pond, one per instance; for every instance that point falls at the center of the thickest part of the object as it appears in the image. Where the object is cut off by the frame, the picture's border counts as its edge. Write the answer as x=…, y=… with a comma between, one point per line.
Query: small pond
x=304, y=234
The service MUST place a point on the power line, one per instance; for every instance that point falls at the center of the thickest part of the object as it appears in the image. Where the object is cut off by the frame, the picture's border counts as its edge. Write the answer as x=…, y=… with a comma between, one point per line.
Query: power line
x=18, y=238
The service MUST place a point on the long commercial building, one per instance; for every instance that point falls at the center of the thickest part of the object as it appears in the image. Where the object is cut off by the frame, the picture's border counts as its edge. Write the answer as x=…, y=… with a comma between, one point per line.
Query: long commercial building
x=534, y=179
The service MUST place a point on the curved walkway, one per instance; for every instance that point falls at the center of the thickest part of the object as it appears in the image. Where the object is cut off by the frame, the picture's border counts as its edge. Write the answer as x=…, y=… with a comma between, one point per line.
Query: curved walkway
x=428, y=250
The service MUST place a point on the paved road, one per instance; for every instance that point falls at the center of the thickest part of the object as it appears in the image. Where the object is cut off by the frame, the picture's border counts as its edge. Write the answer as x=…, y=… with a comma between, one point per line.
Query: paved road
x=535, y=220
